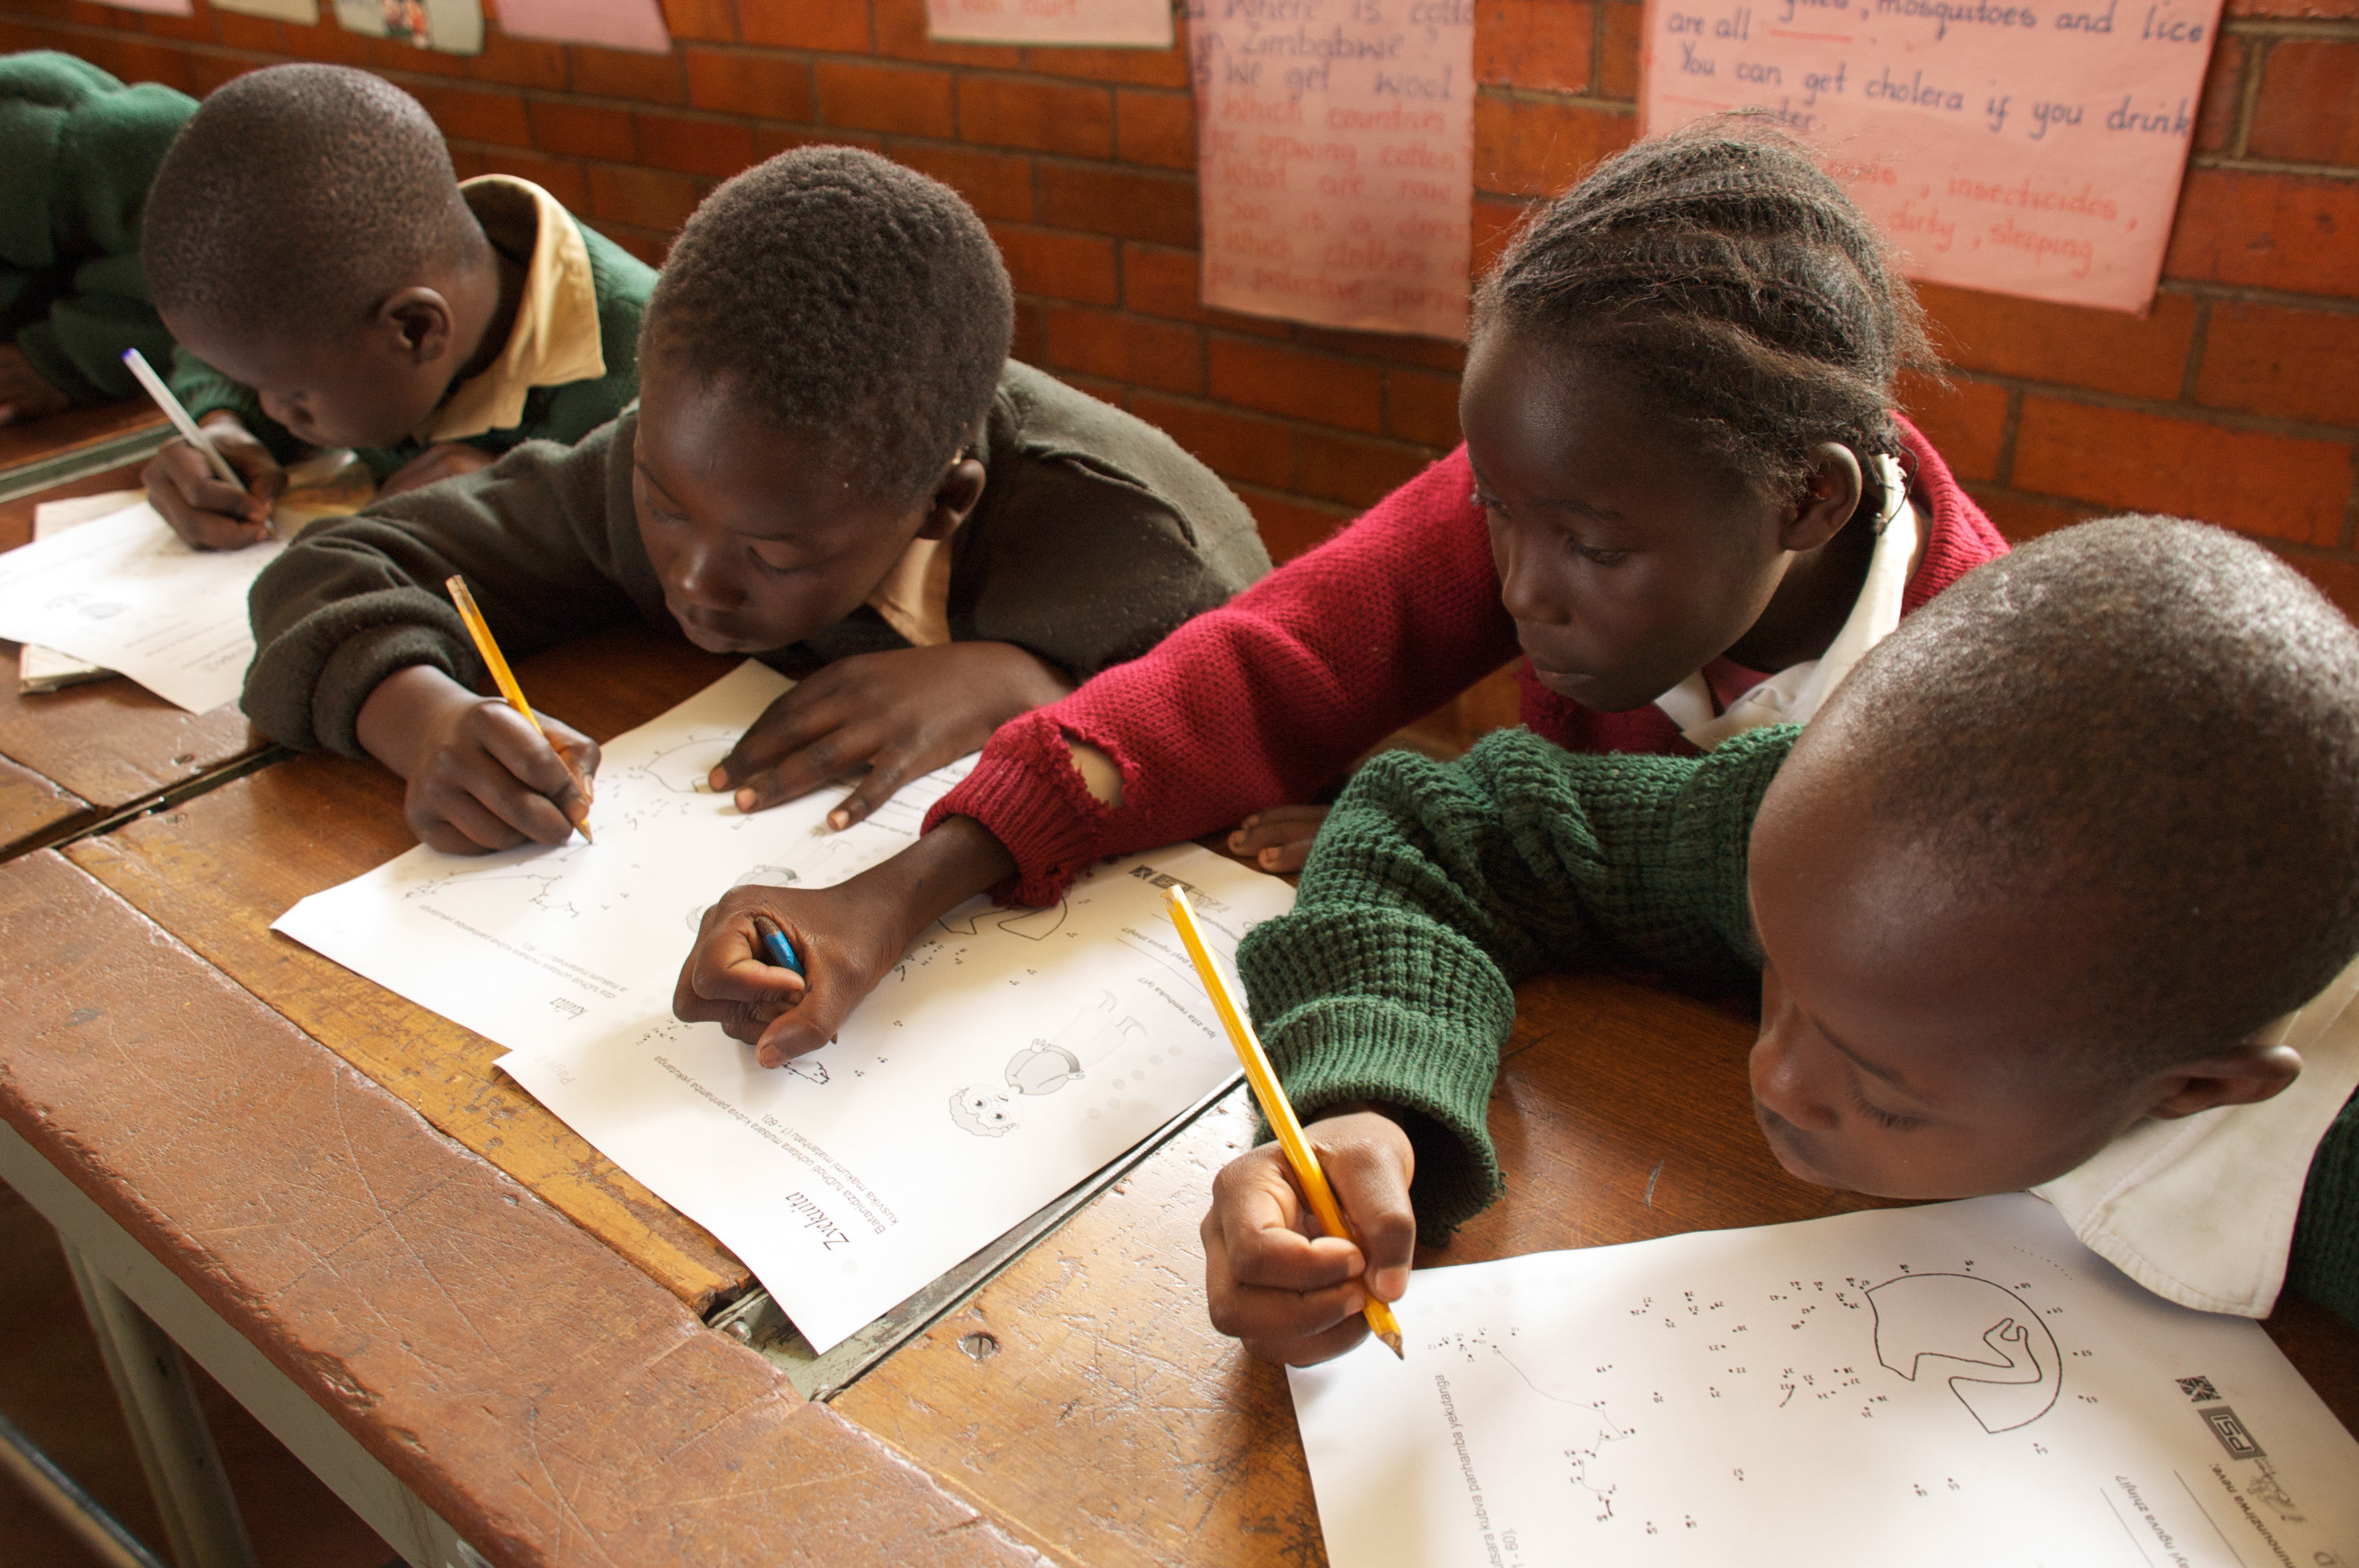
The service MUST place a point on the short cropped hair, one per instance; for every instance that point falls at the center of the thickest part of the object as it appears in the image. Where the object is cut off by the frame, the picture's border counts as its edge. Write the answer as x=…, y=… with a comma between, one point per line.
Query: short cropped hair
x=2153, y=713
x=853, y=300
x=297, y=199
x=1724, y=271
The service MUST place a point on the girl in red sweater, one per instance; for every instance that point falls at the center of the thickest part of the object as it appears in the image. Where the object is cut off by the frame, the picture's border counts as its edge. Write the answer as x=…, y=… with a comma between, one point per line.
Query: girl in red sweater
x=1685, y=496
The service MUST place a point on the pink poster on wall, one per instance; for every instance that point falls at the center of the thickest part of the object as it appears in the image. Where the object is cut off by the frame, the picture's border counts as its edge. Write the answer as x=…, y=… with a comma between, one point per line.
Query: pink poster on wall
x=2029, y=148
x=1335, y=149
x=616, y=24
x=1123, y=23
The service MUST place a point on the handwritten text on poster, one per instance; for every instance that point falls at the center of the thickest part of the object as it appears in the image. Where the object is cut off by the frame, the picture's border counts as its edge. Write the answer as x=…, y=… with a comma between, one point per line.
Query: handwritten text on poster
x=2030, y=148
x=1335, y=158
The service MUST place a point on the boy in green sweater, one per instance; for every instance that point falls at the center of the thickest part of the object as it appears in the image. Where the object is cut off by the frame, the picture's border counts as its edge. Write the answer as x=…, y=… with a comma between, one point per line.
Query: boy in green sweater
x=78, y=150
x=332, y=284
x=2029, y=905
x=832, y=462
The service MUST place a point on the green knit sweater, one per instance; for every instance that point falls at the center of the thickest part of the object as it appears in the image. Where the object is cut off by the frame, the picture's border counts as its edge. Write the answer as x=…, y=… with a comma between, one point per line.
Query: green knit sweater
x=78, y=150
x=1434, y=888
x=562, y=414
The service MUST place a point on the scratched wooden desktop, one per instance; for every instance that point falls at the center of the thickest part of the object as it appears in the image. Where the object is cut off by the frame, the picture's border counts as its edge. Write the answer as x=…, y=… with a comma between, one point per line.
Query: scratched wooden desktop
x=513, y=1327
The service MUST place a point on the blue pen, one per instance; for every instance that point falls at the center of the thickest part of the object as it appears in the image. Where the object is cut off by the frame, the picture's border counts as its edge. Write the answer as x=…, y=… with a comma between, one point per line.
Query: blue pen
x=775, y=943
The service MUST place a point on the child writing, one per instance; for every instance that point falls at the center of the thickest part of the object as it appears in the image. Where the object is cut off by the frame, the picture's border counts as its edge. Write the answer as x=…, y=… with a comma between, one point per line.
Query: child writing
x=332, y=284
x=2027, y=895
x=81, y=149
x=832, y=458
x=1683, y=469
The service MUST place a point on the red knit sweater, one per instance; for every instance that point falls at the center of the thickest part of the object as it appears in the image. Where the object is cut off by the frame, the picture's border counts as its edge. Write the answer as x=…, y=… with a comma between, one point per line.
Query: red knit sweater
x=1269, y=697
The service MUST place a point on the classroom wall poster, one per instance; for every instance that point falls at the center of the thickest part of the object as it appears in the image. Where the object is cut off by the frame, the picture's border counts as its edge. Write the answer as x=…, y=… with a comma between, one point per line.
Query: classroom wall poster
x=452, y=26
x=1122, y=24
x=303, y=12
x=616, y=24
x=1335, y=147
x=2031, y=149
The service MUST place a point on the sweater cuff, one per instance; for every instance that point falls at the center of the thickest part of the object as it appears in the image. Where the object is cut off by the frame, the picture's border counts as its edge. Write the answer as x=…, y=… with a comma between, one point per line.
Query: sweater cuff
x=309, y=697
x=2325, y=1263
x=1027, y=793
x=1334, y=1052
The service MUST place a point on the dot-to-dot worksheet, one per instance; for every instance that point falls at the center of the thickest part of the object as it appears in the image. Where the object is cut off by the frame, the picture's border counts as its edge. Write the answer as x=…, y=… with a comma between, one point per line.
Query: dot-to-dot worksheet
x=1955, y=1386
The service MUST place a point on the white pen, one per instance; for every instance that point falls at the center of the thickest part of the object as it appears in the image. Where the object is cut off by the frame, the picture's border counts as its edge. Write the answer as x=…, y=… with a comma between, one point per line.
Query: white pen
x=179, y=417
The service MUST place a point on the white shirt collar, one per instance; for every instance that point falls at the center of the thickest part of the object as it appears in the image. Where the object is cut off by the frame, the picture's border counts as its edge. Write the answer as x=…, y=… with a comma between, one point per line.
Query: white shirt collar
x=2201, y=1210
x=1793, y=694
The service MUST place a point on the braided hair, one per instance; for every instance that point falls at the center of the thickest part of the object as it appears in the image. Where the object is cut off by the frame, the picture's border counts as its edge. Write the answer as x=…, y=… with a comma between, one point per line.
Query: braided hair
x=1720, y=269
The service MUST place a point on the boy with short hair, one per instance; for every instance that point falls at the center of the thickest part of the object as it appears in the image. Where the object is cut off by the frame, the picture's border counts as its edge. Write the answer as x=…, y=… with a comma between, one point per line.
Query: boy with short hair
x=2025, y=899
x=332, y=284
x=832, y=459
x=78, y=150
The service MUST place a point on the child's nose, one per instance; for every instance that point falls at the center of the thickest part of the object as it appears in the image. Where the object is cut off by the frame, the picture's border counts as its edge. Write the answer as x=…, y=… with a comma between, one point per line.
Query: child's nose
x=1781, y=1081
x=702, y=580
x=1522, y=593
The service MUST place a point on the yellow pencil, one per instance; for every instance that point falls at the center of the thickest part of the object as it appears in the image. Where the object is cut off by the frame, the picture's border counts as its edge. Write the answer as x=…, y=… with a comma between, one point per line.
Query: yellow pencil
x=1277, y=1107
x=481, y=631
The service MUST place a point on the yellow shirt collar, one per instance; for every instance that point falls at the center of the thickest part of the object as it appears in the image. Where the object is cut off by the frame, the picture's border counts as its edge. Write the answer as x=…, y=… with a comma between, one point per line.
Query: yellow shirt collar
x=915, y=597
x=555, y=339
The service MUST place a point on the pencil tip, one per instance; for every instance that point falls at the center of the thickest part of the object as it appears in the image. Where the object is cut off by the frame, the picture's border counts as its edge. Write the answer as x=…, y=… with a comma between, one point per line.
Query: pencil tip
x=1393, y=1344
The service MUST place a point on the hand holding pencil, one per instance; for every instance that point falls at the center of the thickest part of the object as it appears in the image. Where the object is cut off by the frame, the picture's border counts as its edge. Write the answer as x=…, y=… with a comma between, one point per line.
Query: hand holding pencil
x=1290, y=1296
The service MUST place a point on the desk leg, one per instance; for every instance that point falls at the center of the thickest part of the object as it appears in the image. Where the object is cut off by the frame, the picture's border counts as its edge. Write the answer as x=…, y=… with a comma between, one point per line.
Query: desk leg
x=175, y=1447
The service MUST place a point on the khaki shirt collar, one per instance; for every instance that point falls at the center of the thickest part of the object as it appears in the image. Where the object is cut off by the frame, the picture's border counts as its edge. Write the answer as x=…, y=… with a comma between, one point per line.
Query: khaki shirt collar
x=555, y=339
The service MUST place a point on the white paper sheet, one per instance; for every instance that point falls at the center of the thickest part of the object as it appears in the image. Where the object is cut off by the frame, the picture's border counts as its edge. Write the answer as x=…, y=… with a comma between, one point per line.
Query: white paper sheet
x=40, y=669
x=1010, y=1056
x=1957, y=1386
x=125, y=594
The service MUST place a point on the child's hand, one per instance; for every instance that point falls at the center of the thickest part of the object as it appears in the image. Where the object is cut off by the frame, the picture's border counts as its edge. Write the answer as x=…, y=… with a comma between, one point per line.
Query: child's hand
x=846, y=947
x=902, y=713
x=444, y=459
x=204, y=512
x=1296, y=1300
x=480, y=778
x=24, y=396
x=1279, y=839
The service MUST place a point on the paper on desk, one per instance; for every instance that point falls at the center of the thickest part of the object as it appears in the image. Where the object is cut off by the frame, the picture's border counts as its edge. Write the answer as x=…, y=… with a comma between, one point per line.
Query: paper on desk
x=1957, y=1386
x=124, y=592
x=40, y=669
x=1012, y=1055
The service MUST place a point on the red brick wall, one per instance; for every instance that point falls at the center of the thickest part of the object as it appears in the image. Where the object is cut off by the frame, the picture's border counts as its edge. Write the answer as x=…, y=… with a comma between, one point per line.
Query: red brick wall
x=2237, y=400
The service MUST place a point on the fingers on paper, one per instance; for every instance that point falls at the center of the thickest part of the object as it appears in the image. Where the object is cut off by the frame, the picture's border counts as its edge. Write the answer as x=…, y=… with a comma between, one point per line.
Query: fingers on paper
x=806, y=738
x=1279, y=839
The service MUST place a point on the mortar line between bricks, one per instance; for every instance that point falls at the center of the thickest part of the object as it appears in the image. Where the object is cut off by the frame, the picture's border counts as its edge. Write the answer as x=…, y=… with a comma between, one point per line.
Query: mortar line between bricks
x=2247, y=294
x=2292, y=28
x=2196, y=413
x=1507, y=94
x=2248, y=97
x=2197, y=336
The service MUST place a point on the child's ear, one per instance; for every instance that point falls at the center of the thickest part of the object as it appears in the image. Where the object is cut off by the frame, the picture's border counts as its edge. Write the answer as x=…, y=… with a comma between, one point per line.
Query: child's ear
x=415, y=323
x=2246, y=1075
x=1830, y=497
x=956, y=495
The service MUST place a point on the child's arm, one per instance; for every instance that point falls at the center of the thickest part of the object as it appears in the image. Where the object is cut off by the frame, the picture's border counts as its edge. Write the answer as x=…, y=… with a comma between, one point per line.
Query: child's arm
x=1434, y=890
x=353, y=619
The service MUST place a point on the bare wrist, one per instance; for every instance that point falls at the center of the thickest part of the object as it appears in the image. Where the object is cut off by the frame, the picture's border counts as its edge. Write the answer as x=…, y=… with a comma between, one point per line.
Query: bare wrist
x=941, y=871
x=396, y=722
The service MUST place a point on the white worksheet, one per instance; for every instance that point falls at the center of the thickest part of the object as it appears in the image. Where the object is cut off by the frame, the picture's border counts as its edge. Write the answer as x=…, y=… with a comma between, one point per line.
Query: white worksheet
x=1012, y=1055
x=123, y=592
x=1956, y=1386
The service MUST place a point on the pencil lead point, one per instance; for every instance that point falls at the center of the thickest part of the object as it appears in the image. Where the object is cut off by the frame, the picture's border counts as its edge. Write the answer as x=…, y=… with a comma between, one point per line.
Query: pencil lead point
x=1392, y=1342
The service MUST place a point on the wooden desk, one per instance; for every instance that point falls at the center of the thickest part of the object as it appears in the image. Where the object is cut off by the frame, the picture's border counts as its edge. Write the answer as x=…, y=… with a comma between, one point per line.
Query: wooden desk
x=458, y=1359
x=68, y=758
x=81, y=441
x=216, y=871
x=1084, y=1398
